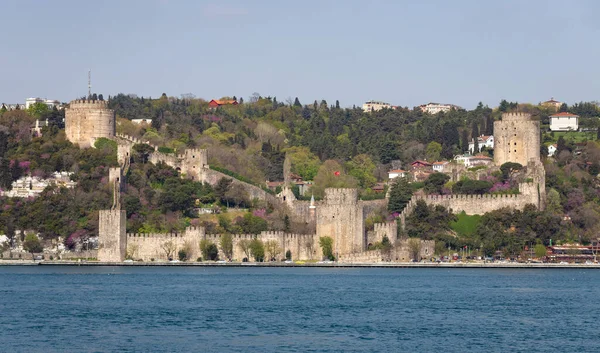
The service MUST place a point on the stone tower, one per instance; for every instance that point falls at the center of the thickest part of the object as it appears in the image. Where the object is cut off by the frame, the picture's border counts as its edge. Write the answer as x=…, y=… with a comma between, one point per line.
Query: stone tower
x=112, y=236
x=193, y=163
x=87, y=120
x=340, y=217
x=516, y=139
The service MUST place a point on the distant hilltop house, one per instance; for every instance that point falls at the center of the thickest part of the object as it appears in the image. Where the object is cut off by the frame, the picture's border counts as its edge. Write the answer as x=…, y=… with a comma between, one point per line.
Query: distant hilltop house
x=29, y=186
x=12, y=106
x=440, y=166
x=552, y=104
x=373, y=106
x=552, y=150
x=395, y=173
x=51, y=103
x=468, y=160
x=215, y=103
x=434, y=108
x=482, y=141
x=141, y=121
x=564, y=122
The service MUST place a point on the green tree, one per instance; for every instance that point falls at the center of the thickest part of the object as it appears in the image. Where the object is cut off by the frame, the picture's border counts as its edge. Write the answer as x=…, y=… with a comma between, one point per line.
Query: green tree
x=400, y=194
x=540, y=251
x=288, y=255
x=332, y=175
x=435, y=183
x=141, y=153
x=209, y=250
x=227, y=245
x=433, y=151
x=362, y=168
x=257, y=249
x=244, y=245
x=326, y=244
x=38, y=110
x=32, y=244
x=297, y=102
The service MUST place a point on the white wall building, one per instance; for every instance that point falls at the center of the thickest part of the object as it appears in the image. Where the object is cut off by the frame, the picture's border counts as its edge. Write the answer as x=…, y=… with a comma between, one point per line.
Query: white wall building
x=564, y=122
x=373, y=106
x=551, y=150
x=396, y=173
x=29, y=186
x=482, y=141
x=434, y=108
x=440, y=166
x=51, y=103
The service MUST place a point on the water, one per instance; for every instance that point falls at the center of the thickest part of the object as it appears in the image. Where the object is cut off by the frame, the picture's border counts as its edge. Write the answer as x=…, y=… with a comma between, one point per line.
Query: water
x=129, y=309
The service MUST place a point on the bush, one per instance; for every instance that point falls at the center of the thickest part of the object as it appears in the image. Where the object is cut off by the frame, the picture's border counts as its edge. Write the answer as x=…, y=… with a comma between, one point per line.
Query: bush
x=288, y=255
x=182, y=254
x=164, y=149
x=241, y=178
x=199, y=259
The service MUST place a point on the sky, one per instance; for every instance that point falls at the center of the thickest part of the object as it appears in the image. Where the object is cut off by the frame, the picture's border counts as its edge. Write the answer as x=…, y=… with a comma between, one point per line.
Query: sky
x=406, y=53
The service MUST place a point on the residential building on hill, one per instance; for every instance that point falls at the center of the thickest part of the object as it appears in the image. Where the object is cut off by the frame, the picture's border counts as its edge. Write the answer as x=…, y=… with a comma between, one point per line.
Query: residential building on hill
x=440, y=166
x=373, y=106
x=482, y=141
x=551, y=150
x=434, y=108
x=395, y=173
x=12, y=106
x=552, y=104
x=51, y=103
x=468, y=160
x=564, y=122
x=218, y=103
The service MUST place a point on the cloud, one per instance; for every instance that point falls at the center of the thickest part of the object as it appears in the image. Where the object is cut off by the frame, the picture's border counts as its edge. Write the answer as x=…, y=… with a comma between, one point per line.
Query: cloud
x=221, y=10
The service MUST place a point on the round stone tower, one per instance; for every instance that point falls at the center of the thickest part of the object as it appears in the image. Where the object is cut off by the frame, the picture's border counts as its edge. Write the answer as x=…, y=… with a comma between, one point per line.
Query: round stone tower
x=87, y=120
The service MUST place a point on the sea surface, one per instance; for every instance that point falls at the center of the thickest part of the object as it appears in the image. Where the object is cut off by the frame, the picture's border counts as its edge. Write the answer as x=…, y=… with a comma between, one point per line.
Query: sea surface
x=179, y=309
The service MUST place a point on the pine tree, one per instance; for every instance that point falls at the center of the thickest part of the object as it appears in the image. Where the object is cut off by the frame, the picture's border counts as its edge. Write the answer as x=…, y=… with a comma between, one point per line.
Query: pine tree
x=297, y=102
x=465, y=140
x=337, y=104
x=400, y=195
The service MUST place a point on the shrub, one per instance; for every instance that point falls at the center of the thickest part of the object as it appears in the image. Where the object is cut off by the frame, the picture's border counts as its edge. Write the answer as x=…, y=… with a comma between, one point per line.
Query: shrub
x=164, y=149
x=182, y=255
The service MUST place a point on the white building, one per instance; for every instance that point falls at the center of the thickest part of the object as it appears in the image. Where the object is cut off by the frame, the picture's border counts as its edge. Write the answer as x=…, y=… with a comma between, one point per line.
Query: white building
x=141, y=121
x=551, y=150
x=373, y=106
x=564, y=122
x=440, y=166
x=396, y=173
x=482, y=141
x=469, y=160
x=51, y=103
x=434, y=108
x=29, y=186
x=12, y=106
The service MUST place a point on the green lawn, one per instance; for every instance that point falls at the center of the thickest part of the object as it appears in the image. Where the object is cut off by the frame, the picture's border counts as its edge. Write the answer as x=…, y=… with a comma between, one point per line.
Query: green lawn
x=575, y=136
x=466, y=225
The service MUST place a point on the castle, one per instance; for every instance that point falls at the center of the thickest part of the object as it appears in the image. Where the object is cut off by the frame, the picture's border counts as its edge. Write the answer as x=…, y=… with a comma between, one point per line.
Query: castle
x=340, y=216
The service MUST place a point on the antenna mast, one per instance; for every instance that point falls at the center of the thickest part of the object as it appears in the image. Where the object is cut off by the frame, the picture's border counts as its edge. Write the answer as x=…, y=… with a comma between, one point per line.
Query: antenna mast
x=90, y=83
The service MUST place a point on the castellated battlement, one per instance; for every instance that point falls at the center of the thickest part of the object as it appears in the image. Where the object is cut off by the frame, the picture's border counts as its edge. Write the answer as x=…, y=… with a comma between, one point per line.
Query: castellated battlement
x=135, y=140
x=88, y=104
x=516, y=116
x=470, y=196
x=154, y=235
x=341, y=196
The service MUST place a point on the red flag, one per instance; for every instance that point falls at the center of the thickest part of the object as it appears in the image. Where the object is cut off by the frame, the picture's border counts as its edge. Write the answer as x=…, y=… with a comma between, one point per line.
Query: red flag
x=336, y=173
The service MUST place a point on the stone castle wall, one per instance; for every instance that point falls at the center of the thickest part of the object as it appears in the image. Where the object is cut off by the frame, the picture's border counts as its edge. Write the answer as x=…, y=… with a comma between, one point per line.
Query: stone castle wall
x=148, y=247
x=86, y=121
x=516, y=139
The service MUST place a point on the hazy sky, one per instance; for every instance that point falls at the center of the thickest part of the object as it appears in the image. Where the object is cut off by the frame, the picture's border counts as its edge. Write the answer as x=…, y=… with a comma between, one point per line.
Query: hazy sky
x=402, y=52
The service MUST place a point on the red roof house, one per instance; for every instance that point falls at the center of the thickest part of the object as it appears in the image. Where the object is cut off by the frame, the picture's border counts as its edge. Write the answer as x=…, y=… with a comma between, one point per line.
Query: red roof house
x=217, y=103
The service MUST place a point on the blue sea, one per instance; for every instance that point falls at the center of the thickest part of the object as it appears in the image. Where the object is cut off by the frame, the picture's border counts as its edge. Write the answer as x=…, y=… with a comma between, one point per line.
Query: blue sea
x=177, y=309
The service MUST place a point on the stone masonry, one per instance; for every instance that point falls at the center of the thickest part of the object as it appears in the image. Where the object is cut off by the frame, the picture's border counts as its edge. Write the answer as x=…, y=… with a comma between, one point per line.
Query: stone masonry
x=87, y=120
